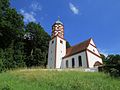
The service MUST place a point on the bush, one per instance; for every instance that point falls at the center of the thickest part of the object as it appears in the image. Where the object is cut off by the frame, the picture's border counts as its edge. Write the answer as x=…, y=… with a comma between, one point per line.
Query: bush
x=114, y=72
x=111, y=65
x=1, y=61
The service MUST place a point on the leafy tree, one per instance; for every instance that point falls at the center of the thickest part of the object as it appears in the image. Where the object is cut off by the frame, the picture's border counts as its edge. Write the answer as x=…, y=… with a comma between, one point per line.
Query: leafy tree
x=103, y=58
x=11, y=23
x=19, y=55
x=36, y=40
x=112, y=65
x=113, y=59
x=8, y=59
x=1, y=61
x=39, y=59
x=11, y=28
x=68, y=44
x=4, y=4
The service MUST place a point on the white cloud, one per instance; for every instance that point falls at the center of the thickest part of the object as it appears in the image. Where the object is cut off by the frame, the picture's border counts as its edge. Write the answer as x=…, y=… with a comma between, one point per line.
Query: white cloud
x=36, y=6
x=73, y=8
x=28, y=16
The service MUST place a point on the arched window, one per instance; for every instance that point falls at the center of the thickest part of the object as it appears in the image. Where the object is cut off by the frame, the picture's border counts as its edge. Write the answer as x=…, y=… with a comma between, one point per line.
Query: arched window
x=66, y=63
x=73, y=62
x=79, y=61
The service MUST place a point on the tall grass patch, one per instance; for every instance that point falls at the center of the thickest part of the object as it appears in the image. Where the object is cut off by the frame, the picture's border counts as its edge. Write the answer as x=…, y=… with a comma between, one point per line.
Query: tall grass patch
x=39, y=79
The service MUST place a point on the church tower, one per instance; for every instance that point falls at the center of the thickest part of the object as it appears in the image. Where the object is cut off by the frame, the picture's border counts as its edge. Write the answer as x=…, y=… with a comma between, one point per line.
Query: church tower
x=57, y=46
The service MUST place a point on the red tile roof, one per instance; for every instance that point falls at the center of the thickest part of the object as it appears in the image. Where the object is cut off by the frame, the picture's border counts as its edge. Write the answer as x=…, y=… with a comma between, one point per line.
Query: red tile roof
x=77, y=48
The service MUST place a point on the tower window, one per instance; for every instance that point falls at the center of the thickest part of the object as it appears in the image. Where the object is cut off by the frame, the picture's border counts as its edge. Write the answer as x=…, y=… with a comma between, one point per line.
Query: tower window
x=80, y=61
x=73, y=62
x=61, y=41
x=52, y=41
x=66, y=63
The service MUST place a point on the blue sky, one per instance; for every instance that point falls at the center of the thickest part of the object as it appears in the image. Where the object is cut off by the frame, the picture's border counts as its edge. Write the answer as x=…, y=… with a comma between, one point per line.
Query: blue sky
x=99, y=19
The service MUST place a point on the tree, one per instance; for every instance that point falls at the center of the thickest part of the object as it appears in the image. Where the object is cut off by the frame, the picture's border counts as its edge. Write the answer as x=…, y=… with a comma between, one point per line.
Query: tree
x=8, y=59
x=37, y=42
x=39, y=57
x=1, y=61
x=103, y=58
x=112, y=65
x=19, y=55
x=68, y=44
x=11, y=28
x=11, y=23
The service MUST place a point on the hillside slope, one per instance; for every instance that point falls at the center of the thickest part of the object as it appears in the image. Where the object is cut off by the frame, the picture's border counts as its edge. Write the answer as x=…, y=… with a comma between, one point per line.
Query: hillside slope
x=37, y=79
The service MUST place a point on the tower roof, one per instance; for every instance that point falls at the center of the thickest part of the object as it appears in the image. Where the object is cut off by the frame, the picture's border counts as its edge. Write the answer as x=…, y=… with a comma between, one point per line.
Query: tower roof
x=58, y=21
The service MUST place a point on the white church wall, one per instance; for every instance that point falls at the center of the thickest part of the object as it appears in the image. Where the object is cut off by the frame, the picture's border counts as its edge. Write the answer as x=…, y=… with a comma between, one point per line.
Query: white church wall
x=51, y=53
x=93, y=49
x=60, y=51
x=83, y=57
x=92, y=59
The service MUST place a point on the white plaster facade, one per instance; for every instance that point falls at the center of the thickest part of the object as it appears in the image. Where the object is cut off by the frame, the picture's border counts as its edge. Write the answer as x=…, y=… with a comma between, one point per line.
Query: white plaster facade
x=83, y=58
x=92, y=59
x=60, y=51
x=57, y=50
x=51, y=53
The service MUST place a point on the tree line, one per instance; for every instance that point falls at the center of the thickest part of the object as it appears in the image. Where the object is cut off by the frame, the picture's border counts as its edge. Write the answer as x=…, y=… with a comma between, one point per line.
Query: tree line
x=21, y=45
x=111, y=65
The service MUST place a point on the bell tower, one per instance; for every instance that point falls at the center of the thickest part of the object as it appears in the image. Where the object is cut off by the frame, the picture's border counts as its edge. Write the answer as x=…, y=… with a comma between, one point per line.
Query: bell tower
x=57, y=45
x=58, y=29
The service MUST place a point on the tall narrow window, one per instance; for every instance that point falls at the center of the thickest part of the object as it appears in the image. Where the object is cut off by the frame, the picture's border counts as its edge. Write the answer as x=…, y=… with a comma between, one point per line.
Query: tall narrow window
x=73, y=62
x=66, y=63
x=80, y=61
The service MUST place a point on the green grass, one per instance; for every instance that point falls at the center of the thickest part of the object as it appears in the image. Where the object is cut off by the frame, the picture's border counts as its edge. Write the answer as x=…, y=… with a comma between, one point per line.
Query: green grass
x=37, y=79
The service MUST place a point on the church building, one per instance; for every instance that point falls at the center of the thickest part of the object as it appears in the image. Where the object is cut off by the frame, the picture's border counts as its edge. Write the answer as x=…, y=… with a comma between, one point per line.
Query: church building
x=84, y=54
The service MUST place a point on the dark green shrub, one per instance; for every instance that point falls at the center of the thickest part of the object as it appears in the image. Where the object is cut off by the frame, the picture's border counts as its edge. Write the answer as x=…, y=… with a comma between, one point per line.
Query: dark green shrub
x=114, y=72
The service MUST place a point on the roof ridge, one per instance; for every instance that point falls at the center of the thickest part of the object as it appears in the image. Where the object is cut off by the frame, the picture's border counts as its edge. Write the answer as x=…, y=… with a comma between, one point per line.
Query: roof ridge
x=81, y=43
x=77, y=48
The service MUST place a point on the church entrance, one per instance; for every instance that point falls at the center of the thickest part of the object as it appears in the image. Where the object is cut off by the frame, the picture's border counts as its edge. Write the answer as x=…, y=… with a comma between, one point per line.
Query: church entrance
x=97, y=64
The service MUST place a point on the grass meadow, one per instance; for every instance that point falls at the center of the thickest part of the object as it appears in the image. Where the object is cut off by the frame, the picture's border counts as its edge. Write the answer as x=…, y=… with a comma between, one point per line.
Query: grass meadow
x=38, y=79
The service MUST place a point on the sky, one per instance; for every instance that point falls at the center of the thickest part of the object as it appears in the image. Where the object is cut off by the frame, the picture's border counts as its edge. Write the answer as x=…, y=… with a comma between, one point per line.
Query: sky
x=82, y=19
